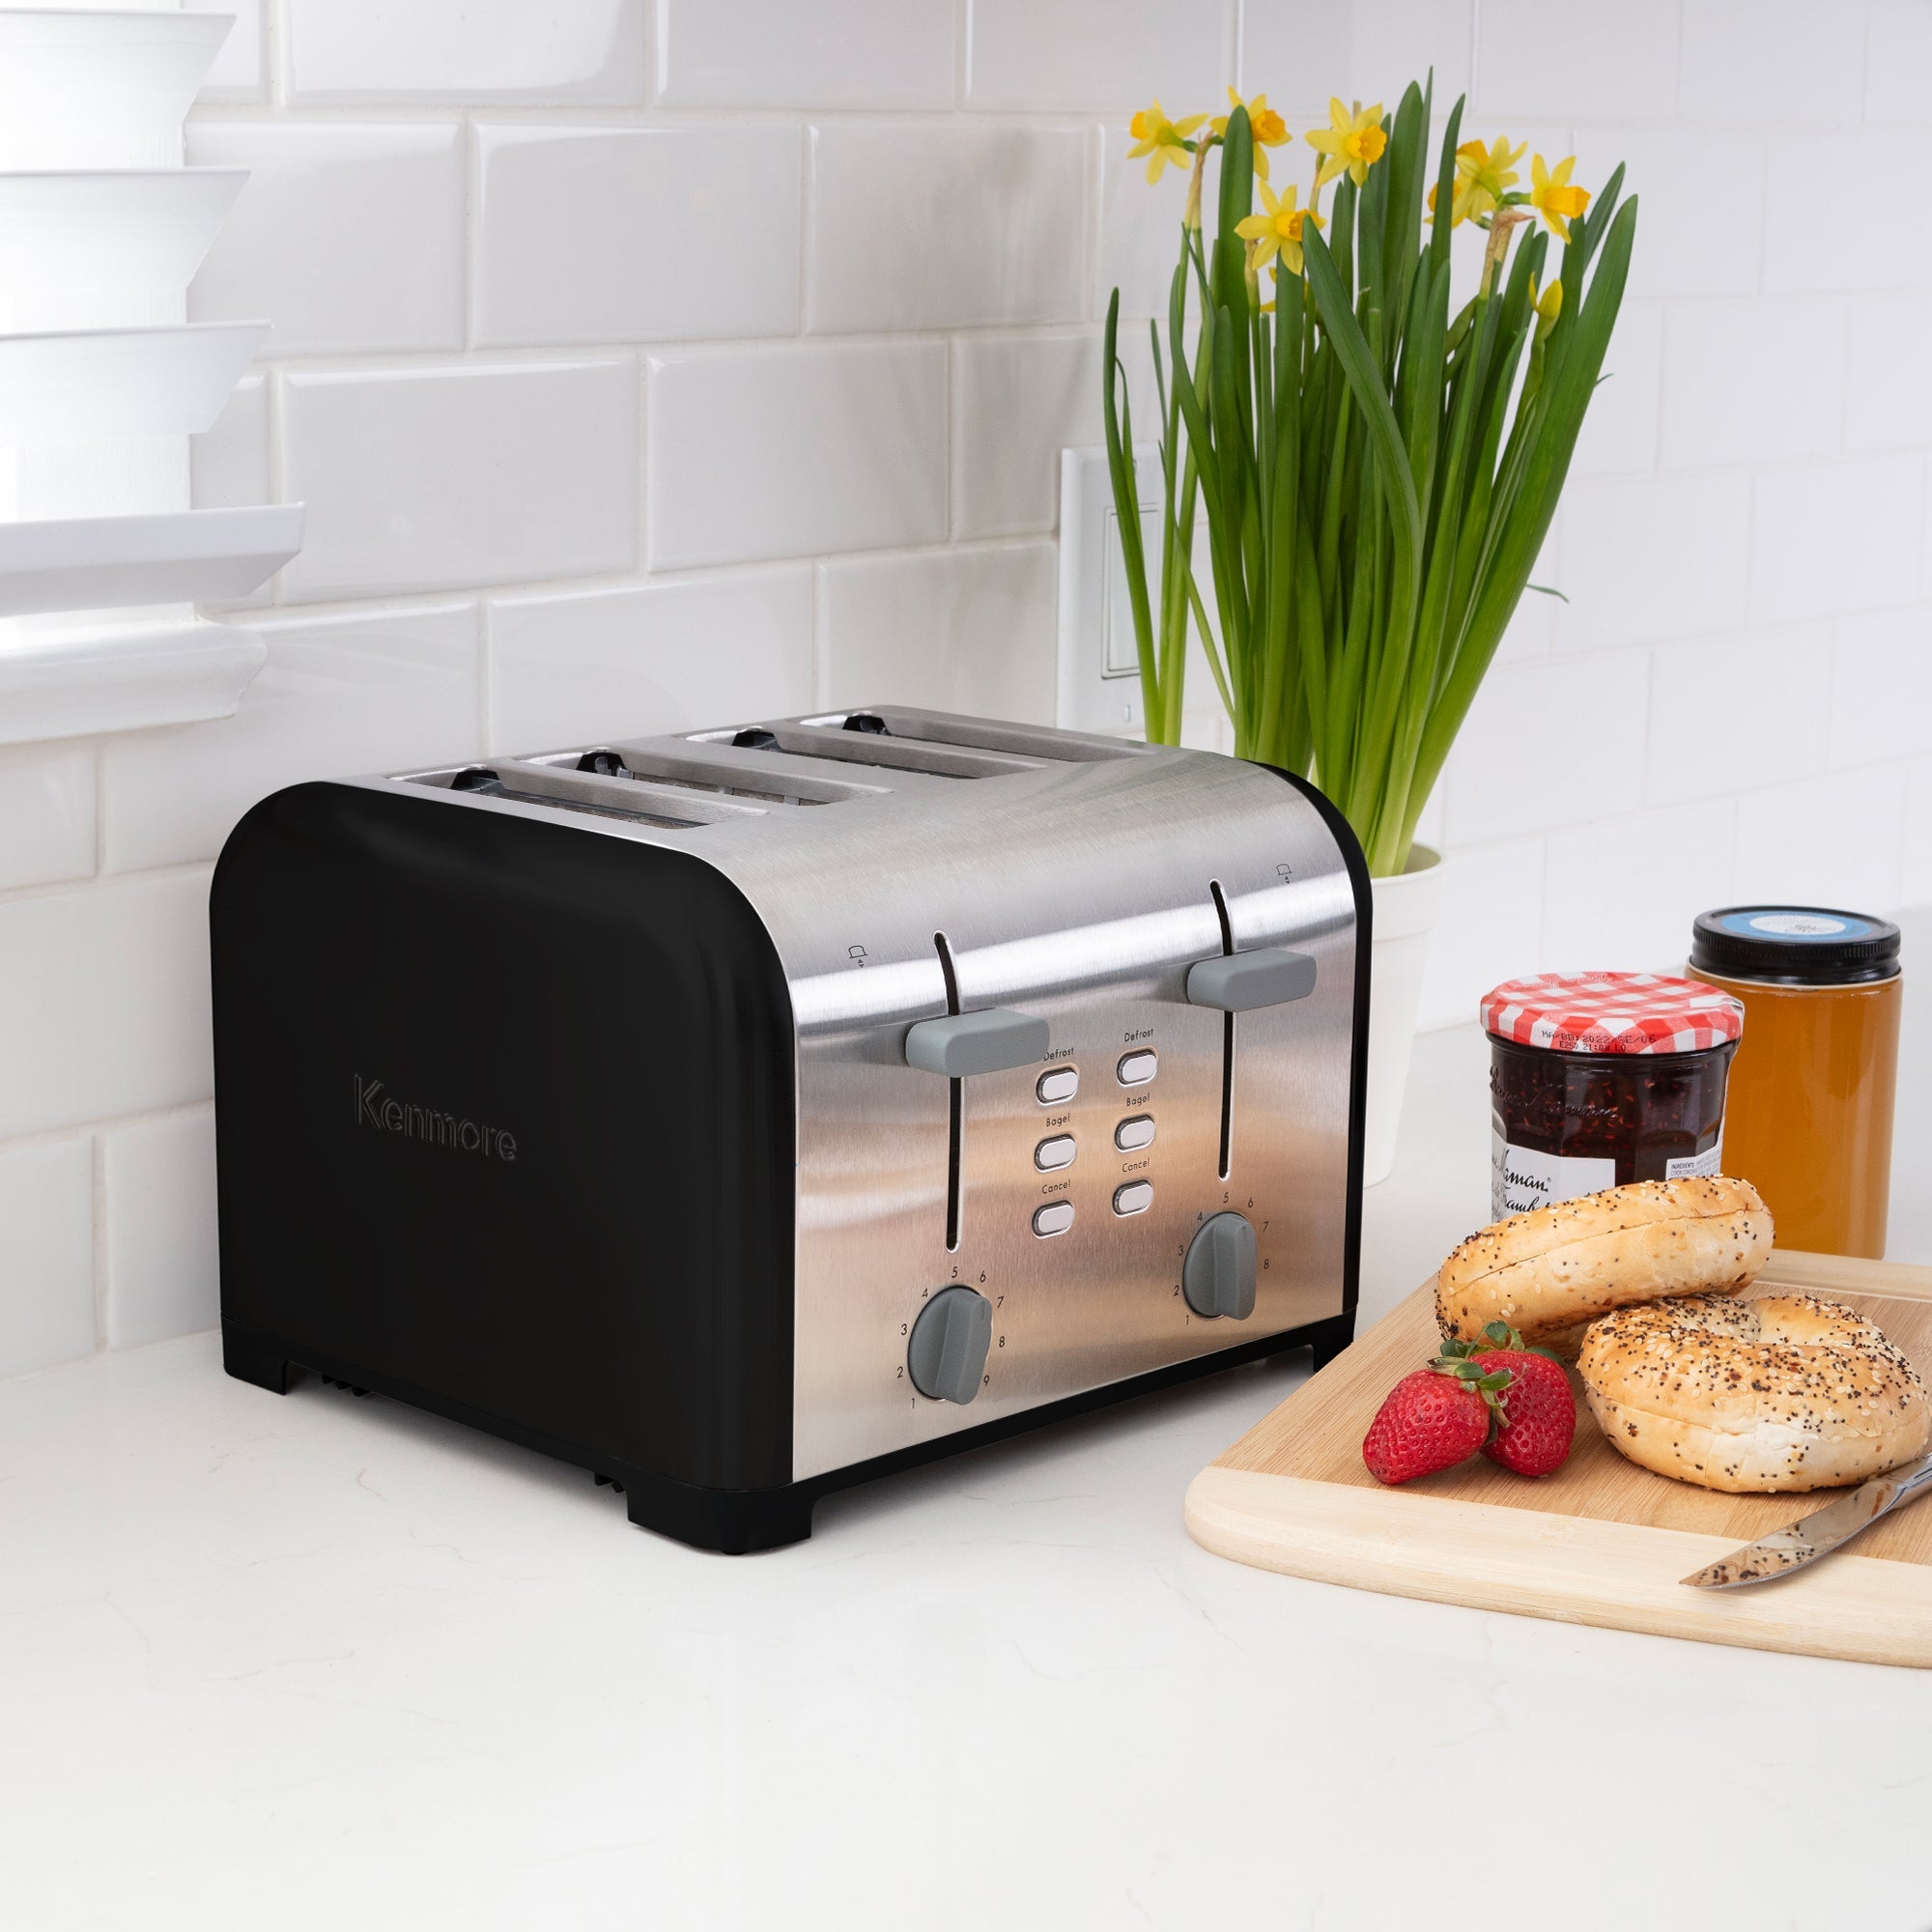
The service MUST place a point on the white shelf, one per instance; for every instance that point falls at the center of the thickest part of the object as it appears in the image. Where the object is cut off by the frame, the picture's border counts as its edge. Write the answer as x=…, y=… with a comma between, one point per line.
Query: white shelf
x=96, y=384
x=111, y=228
x=189, y=557
x=85, y=87
x=122, y=677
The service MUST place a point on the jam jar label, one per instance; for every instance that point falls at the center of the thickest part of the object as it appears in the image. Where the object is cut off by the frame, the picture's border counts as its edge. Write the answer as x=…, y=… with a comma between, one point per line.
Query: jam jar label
x=1522, y=1178
x=1693, y=1166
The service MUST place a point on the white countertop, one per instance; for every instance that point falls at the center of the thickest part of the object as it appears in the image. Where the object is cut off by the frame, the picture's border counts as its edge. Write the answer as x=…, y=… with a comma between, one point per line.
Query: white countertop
x=319, y=1661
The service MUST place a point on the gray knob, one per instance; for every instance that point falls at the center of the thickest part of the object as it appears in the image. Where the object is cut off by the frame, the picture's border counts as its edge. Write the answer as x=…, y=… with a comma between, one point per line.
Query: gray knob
x=988, y=1041
x=947, y=1355
x=1218, y=1275
x=1270, y=976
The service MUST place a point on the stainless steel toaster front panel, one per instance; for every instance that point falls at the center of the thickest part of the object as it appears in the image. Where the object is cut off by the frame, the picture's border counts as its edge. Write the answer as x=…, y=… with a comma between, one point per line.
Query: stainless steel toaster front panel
x=1083, y=897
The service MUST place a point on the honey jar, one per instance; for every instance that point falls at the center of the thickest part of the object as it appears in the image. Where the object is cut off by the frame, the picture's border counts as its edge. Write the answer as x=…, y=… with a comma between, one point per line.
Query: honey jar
x=1812, y=1086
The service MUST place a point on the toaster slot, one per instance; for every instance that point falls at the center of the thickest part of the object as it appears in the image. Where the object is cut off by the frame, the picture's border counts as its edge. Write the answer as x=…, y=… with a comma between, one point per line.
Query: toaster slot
x=979, y=734
x=725, y=774
x=1226, y=1038
x=589, y=794
x=955, y=1104
x=868, y=743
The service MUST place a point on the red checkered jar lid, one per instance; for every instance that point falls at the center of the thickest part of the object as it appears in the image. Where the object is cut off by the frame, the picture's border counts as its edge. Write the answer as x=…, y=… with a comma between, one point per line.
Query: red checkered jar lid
x=1612, y=1012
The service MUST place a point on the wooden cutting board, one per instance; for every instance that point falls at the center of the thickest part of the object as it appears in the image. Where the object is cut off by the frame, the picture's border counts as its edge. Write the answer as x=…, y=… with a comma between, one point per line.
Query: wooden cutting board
x=1601, y=1542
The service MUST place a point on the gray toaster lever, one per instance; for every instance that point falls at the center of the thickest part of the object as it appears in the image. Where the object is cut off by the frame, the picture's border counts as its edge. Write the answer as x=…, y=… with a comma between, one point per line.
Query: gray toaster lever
x=1270, y=976
x=988, y=1041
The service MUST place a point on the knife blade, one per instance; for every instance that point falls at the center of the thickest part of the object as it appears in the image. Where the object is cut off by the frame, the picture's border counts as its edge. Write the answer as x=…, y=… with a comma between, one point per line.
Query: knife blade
x=1802, y=1542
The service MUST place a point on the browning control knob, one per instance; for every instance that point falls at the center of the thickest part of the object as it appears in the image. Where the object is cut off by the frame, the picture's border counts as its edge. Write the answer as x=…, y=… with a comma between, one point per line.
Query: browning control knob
x=947, y=1355
x=1218, y=1275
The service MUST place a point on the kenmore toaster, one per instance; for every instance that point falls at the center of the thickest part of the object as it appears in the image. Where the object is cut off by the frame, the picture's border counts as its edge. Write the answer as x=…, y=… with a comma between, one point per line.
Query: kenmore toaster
x=745, y=1113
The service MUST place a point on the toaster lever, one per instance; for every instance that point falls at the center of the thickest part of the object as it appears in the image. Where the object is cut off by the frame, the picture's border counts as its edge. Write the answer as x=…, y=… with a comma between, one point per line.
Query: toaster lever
x=1270, y=976
x=988, y=1041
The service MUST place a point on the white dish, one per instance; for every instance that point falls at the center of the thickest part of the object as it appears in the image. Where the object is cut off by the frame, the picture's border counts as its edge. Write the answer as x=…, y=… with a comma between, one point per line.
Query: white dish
x=111, y=228
x=93, y=563
x=90, y=385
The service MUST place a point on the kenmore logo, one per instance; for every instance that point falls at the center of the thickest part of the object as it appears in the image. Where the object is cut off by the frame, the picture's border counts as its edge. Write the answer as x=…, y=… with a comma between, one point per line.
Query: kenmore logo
x=373, y=1109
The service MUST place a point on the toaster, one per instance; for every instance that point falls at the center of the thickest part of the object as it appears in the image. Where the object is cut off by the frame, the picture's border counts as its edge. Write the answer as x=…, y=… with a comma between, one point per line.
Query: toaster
x=745, y=1113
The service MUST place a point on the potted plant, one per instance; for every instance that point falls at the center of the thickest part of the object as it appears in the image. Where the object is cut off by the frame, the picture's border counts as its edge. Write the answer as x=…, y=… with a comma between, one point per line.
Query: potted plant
x=1373, y=467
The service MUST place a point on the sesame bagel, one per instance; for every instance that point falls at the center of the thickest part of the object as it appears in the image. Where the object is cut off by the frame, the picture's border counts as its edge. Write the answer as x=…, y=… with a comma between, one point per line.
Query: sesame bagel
x=1555, y=1268
x=1781, y=1391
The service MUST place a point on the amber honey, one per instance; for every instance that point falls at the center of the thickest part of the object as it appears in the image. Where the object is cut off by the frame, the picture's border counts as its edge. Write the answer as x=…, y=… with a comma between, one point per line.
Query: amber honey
x=1808, y=1113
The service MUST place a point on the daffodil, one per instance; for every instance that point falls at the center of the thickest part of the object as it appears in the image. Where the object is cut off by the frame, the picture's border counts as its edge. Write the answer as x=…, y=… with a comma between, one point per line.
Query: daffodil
x=1483, y=177
x=1160, y=139
x=1277, y=230
x=1553, y=198
x=1353, y=140
x=1548, y=305
x=1268, y=128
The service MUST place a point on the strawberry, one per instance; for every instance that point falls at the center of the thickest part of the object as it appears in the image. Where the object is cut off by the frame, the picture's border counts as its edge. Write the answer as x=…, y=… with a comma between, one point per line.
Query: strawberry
x=1431, y=1420
x=1537, y=1416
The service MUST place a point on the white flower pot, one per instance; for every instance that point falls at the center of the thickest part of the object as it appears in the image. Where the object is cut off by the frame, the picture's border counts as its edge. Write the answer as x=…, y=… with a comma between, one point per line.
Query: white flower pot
x=1406, y=909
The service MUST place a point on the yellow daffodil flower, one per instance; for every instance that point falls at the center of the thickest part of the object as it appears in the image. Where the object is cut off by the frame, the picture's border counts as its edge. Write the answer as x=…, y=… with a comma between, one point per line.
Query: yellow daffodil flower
x=1268, y=128
x=1548, y=305
x=1483, y=177
x=1553, y=198
x=1160, y=139
x=1353, y=141
x=1278, y=229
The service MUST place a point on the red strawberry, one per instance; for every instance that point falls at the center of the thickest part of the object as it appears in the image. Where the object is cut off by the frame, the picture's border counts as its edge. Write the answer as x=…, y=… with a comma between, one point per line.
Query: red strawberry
x=1538, y=1414
x=1431, y=1420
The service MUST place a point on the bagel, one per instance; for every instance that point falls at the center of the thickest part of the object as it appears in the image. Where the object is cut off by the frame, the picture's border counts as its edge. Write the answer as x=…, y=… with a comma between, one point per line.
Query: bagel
x=1781, y=1391
x=1553, y=1270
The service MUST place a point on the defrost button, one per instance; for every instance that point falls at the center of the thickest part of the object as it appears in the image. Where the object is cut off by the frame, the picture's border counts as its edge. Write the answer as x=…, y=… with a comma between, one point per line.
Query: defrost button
x=1137, y=1068
x=1057, y=1084
x=1054, y=1219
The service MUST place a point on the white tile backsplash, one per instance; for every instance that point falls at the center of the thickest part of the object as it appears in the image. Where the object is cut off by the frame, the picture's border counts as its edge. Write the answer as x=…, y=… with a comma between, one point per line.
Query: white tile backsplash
x=1572, y=59
x=1619, y=435
x=1729, y=714
x=1865, y=517
x=1881, y=688
x=1725, y=360
x=562, y=52
x=590, y=234
x=418, y=478
x=1017, y=401
x=777, y=53
x=163, y=1275
x=780, y=452
x=1888, y=388
x=914, y=227
x=1898, y=56
x=1491, y=928
x=1765, y=60
x=1139, y=223
x=240, y=69
x=46, y=814
x=649, y=658
x=339, y=694
x=1835, y=840
x=1100, y=54
x=347, y=237
x=1818, y=230
x=971, y=631
x=47, y=1255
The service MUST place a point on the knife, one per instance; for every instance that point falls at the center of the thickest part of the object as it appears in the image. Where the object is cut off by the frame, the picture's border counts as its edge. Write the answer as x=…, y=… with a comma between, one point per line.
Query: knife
x=1818, y=1534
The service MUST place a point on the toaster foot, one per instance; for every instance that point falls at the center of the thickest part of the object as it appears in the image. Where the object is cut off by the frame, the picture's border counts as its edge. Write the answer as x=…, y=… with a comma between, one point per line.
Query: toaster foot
x=735, y=1523
x=1329, y=1338
x=253, y=1357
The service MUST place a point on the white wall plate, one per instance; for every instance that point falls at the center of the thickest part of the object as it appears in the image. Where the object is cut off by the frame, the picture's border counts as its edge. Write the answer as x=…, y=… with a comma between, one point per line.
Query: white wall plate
x=88, y=384
x=189, y=557
x=1100, y=687
x=111, y=228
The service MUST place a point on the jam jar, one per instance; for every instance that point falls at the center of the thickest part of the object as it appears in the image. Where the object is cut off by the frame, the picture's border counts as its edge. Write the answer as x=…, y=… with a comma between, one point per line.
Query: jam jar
x=1814, y=1086
x=1598, y=1079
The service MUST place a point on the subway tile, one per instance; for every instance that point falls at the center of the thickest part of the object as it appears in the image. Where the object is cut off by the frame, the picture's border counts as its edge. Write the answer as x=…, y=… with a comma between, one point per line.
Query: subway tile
x=338, y=696
x=1835, y=840
x=347, y=237
x=1887, y=381
x=1753, y=380
x=783, y=452
x=103, y=1001
x=965, y=631
x=46, y=814
x=163, y=1276
x=1303, y=52
x=1619, y=435
x=1830, y=537
x=1880, y=683
x=1898, y=56
x=1530, y=634
x=776, y=53
x=1621, y=896
x=616, y=234
x=1514, y=769
x=1113, y=55
x=1490, y=930
x=644, y=658
x=575, y=52
x=1684, y=245
x=1576, y=61
x=1828, y=232
x=47, y=1255
x=1140, y=231
x=1915, y=886
x=1730, y=713
x=240, y=69
x=933, y=226
x=1773, y=60
x=423, y=479
x=1646, y=559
